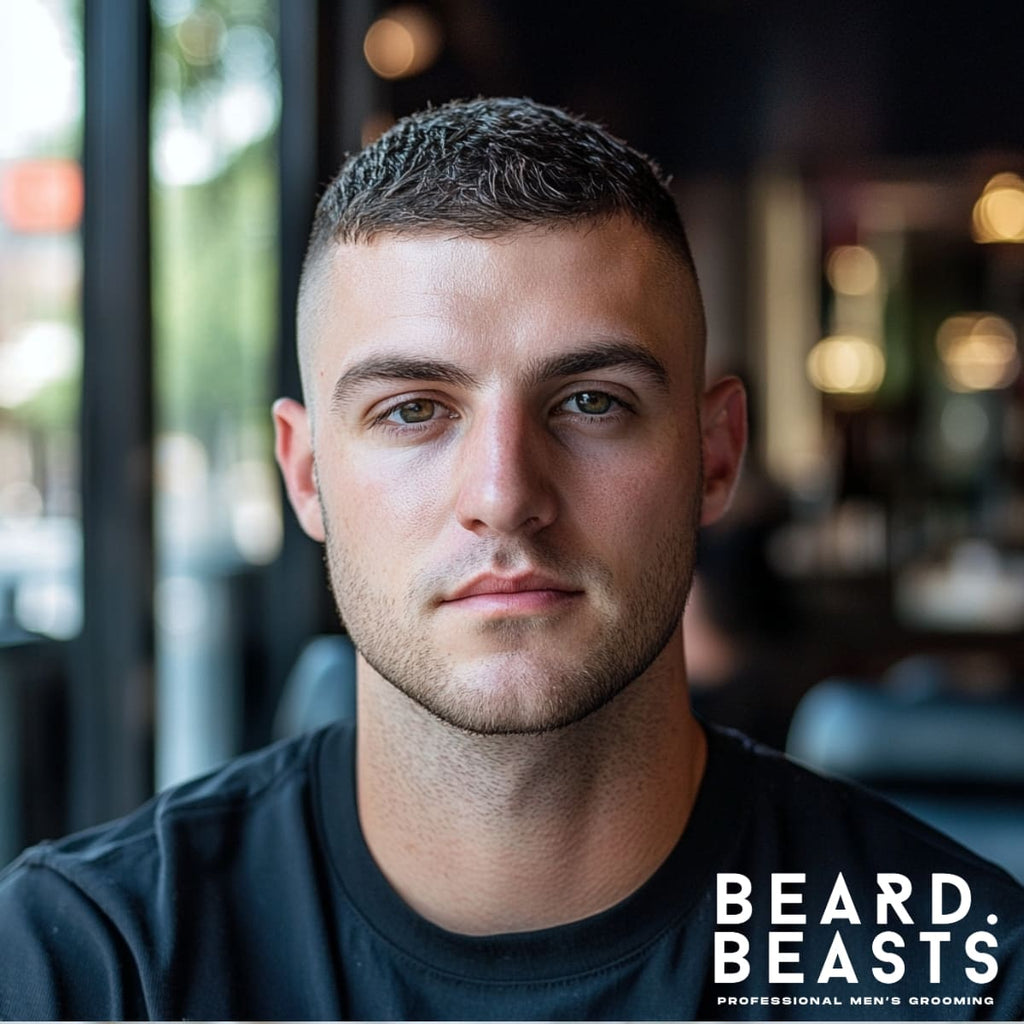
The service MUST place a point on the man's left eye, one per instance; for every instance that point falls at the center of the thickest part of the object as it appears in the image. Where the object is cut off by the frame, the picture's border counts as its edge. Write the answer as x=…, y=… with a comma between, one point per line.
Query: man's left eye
x=590, y=403
x=420, y=410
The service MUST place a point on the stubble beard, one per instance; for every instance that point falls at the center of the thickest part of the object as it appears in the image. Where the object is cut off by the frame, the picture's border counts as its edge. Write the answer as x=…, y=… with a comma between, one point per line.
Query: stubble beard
x=520, y=698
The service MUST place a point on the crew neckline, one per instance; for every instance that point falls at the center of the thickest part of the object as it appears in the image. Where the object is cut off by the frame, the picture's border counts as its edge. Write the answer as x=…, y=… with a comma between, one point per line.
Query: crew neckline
x=591, y=944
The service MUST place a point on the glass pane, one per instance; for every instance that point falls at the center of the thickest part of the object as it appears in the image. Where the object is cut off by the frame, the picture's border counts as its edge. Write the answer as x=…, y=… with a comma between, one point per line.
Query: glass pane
x=40, y=320
x=215, y=109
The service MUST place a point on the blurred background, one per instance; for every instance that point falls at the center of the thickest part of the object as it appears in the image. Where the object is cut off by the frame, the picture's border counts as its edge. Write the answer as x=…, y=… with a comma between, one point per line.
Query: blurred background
x=851, y=177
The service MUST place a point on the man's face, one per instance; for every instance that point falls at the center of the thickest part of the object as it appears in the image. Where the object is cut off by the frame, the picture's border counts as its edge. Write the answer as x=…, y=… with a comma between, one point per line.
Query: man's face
x=506, y=464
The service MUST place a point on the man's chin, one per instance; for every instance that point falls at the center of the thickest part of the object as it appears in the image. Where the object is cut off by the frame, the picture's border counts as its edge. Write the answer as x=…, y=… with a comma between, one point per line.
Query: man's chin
x=504, y=721
x=511, y=696
x=534, y=637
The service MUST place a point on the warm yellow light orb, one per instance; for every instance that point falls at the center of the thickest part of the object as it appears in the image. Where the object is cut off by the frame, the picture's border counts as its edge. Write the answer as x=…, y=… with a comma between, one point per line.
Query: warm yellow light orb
x=846, y=364
x=853, y=270
x=404, y=42
x=978, y=352
x=999, y=213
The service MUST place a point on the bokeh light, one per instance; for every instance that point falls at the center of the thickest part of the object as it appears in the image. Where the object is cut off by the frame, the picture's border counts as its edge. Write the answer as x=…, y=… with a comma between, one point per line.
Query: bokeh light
x=978, y=352
x=404, y=42
x=41, y=195
x=200, y=36
x=853, y=270
x=999, y=212
x=37, y=355
x=965, y=426
x=846, y=364
x=40, y=78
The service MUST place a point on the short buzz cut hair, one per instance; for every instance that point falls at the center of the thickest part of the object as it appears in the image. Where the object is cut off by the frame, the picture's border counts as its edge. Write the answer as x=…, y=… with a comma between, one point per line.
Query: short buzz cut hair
x=485, y=167
x=488, y=167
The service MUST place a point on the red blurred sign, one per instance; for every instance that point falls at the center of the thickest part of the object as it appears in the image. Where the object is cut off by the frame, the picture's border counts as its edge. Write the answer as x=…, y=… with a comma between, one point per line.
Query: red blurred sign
x=41, y=195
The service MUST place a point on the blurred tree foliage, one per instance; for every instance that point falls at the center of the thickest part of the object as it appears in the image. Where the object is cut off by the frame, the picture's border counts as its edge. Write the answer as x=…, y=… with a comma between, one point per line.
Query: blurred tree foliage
x=214, y=209
x=215, y=300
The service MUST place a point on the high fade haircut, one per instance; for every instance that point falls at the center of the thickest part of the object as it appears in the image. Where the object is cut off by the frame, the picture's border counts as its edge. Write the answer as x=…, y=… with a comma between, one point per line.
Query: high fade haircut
x=487, y=167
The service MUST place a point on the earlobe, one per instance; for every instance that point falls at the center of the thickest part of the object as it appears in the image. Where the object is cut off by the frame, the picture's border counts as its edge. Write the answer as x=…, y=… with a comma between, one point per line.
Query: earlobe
x=293, y=449
x=724, y=439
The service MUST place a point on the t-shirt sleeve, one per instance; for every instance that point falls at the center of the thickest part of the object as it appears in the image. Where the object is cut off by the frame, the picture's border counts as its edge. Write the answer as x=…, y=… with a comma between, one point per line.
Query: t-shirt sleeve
x=60, y=956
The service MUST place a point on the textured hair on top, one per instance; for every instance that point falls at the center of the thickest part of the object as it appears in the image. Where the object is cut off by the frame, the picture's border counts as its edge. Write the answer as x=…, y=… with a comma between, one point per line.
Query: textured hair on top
x=487, y=166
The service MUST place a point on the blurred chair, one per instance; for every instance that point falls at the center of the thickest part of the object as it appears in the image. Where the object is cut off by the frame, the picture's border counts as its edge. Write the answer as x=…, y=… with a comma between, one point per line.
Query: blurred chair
x=952, y=759
x=320, y=689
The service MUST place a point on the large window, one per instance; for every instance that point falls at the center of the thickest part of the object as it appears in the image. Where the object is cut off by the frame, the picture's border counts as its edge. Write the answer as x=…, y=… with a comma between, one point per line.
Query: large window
x=216, y=96
x=40, y=321
x=40, y=381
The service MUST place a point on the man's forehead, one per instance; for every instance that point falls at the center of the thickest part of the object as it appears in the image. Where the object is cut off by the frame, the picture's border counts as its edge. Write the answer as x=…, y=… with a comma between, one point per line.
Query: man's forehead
x=442, y=263
x=605, y=276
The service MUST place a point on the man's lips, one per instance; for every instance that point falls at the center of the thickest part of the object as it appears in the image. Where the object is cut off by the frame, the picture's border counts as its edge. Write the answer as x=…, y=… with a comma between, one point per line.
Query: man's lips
x=523, y=593
x=492, y=584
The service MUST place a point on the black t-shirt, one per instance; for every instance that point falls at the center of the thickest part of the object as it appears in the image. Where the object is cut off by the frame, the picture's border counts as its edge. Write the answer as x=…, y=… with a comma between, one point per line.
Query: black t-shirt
x=250, y=894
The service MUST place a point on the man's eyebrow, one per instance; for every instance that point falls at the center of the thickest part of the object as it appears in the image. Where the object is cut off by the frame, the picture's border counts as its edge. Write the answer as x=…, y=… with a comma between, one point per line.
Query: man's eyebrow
x=398, y=368
x=601, y=356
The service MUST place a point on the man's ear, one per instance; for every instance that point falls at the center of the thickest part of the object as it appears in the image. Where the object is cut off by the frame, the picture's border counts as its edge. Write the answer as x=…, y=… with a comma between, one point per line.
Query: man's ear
x=724, y=440
x=294, y=451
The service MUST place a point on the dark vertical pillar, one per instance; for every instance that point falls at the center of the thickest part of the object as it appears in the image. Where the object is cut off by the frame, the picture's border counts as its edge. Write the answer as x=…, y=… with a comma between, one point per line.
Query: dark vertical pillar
x=299, y=174
x=349, y=91
x=327, y=92
x=112, y=688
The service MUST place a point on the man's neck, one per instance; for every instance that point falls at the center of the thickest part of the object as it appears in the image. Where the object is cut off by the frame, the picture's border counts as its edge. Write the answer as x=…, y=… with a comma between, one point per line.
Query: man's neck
x=491, y=834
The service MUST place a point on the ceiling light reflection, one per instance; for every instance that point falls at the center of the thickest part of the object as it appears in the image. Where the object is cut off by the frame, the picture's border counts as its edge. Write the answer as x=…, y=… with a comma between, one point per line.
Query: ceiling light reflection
x=853, y=270
x=978, y=352
x=404, y=42
x=999, y=213
x=846, y=364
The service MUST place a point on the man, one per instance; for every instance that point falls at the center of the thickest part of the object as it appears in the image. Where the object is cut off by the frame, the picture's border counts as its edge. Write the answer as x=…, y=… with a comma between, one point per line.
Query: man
x=507, y=447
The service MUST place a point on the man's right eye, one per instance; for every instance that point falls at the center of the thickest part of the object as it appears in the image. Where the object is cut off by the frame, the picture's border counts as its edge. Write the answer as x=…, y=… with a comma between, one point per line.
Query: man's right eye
x=421, y=410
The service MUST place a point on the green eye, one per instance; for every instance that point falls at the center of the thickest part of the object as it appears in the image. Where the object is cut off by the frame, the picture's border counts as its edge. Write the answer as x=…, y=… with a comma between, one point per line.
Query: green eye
x=420, y=411
x=593, y=403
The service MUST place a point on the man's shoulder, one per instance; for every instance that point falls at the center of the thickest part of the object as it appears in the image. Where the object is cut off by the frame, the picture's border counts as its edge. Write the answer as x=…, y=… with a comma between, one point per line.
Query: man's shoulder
x=89, y=919
x=206, y=810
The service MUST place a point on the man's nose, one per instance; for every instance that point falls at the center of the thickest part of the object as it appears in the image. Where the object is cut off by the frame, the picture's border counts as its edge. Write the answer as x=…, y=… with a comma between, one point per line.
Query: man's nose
x=505, y=475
